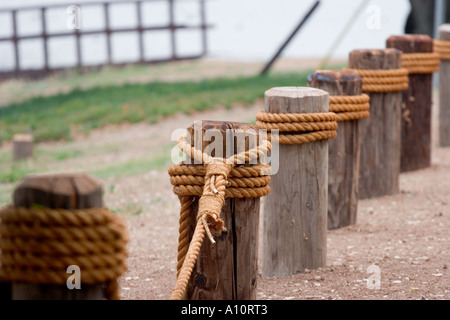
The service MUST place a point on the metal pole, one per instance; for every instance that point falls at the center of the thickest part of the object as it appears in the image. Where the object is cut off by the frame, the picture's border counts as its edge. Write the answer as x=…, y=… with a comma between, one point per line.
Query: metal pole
x=440, y=7
x=305, y=18
x=439, y=15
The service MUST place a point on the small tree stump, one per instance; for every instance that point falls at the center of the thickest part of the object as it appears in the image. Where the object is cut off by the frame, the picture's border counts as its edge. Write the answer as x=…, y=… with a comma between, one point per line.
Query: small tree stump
x=295, y=211
x=416, y=113
x=380, y=134
x=22, y=146
x=228, y=269
x=343, y=151
x=444, y=92
x=58, y=191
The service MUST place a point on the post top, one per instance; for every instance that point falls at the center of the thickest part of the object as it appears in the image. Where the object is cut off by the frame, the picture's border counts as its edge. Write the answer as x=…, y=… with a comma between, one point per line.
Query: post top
x=376, y=52
x=295, y=92
x=411, y=38
x=221, y=125
x=333, y=75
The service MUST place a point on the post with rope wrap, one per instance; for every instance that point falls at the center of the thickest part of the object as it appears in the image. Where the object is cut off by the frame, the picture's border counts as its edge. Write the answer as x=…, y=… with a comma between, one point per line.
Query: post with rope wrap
x=295, y=212
x=442, y=47
x=420, y=61
x=383, y=79
x=57, y=221
x=219, y=216
x=350, y=106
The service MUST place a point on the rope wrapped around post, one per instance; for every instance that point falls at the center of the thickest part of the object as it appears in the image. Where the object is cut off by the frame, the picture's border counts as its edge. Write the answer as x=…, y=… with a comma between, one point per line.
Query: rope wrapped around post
x=350, y=107
x=217, y=179
x=442, y=48
x=421, y=62
x=298, y=128
x=39, y=243
x=388, y=80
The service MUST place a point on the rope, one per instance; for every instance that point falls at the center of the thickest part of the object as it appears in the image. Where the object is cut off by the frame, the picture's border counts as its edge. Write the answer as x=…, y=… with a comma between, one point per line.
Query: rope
x=388, y=80
x=350, y=107
x=418, y=63
x=442, y=48
x=38, y=244
x=298, y=128
x=213, y=181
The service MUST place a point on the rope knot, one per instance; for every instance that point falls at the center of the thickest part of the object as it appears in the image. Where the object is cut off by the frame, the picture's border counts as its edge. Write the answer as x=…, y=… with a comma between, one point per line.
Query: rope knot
x=213, y=197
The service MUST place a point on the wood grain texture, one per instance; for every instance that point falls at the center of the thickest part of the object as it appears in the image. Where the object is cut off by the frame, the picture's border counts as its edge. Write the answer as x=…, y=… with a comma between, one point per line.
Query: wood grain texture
x=343, y=151
x=58, y=191
x=227, y=270
x=444, y=93
x=416, y=111
x=380, y=134
x=295, y=211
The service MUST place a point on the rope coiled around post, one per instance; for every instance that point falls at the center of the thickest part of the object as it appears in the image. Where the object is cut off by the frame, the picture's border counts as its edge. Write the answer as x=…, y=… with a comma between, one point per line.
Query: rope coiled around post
x=442, y=48
x=350, y=107
x=298, y=128
x=213, y=181
x=421, y=62
x=388, y=80
x=38, y=244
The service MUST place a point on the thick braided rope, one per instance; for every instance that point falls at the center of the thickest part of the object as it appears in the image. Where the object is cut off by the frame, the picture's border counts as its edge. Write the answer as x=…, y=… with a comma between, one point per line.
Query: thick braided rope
x=389, y=80
x=350, y=107
x=442, y=48
x=417, y=63
x=298, y=128
x=215, y=175
x=38, y=244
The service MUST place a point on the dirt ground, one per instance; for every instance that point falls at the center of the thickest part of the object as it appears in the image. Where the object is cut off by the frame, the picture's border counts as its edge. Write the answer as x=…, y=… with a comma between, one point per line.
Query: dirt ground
x=405, y=237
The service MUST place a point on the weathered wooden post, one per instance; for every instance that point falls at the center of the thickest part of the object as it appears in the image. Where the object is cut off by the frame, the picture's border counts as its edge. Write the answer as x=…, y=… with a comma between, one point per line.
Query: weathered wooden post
x=442, y=46
x=418, y=58
x=22, y=146
x=60, y=192
x=295, y=212
x=228, y=268
x=344, y=150
x=379, y=165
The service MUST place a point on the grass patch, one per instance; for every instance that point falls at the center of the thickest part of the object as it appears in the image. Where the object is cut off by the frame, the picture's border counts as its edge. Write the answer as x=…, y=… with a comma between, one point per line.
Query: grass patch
x=61, y=116
x=136, y=166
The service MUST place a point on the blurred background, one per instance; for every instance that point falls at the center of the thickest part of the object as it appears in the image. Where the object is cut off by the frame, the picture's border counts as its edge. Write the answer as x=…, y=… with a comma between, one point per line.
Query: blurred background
x=250, y=30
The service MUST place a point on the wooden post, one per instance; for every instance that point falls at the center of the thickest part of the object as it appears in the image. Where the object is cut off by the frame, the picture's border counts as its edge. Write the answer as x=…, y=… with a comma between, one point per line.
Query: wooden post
x=343, y=151
x=379, y=165
x=62, y=191
x=416, y=113
x=295, y=211
x=444, y=92
x=22, y=146
x=227, y=270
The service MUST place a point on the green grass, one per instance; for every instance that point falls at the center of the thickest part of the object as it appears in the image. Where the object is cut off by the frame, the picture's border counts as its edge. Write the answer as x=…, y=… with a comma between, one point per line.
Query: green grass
x=136, y=166
x=61, y=116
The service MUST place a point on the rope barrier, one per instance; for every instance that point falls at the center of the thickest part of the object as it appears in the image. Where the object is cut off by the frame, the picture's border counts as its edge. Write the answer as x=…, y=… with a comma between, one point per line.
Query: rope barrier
x=350, y=107
x=417, y=63
x=442, y=48
x=38, y=244
x=214, y=181
x=389, y=80
x=298, y=128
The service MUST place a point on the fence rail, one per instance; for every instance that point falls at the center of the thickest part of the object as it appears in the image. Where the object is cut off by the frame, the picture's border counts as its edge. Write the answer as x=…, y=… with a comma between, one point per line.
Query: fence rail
x=107, y=30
